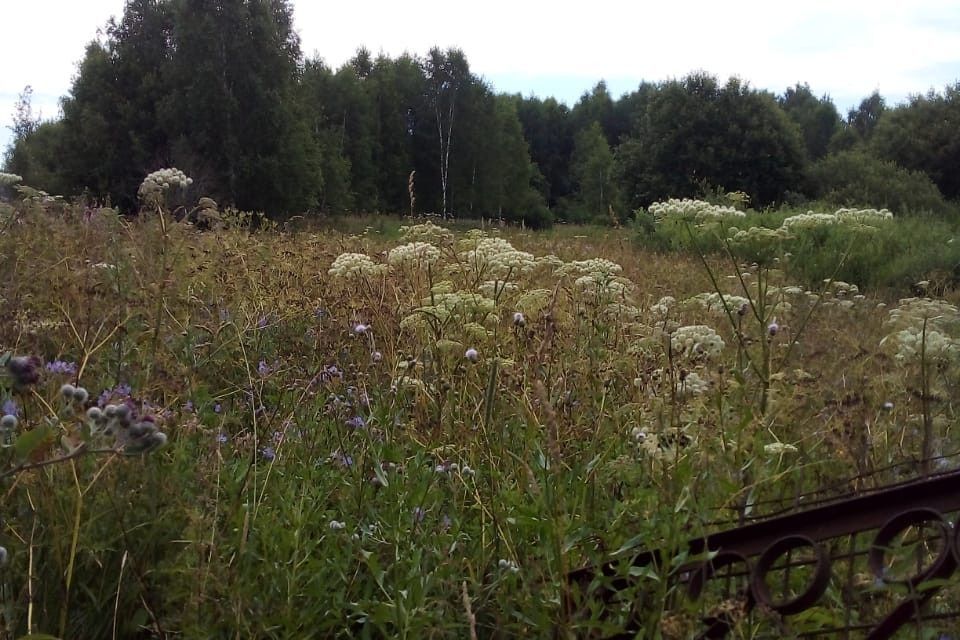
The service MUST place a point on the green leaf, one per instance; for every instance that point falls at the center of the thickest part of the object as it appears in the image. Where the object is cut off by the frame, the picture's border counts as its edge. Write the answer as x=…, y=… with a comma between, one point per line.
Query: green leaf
x=632, y=543
x=381, y=476
x=28, y=442
x=644, y=572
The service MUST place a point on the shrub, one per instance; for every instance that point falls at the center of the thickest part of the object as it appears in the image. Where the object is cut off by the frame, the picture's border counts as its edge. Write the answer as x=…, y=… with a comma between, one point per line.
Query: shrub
x=852, y=178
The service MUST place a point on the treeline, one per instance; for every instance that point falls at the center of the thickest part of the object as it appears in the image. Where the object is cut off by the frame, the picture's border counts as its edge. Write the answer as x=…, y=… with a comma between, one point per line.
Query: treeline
x=222, y=91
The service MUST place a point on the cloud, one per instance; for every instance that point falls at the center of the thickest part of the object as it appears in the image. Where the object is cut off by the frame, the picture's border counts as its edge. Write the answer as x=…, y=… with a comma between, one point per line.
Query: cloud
x=847, y=49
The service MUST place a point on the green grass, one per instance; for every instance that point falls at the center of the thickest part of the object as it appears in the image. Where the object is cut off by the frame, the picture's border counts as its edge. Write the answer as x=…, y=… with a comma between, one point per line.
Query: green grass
x=233, y=529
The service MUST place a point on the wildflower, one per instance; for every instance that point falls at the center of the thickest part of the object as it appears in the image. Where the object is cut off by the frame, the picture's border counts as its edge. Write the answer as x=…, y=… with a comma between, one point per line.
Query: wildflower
x=8, y=423
x=263, y=322
x=352, y=265
x=773, y=328
x=4, y=556
x=341, y=459
x=418, y=514
x=357, y=422
x=692, y=385
x=508, y=565
x=268, y=454
x=263, y=368
x=217, y=408
x=518, y=319
x=416, y=254
x=336, y=525
x=61, y=367
x=24, y=369
x=888, y=406
x=159, y=181
x=9, y=408
x=188, y=406
x=360, y=329
x=222, y=438
x=471, y=354
x=67, y=391
x=779, y=448
x=9, y=179
x=697, y=341
x=376, y=356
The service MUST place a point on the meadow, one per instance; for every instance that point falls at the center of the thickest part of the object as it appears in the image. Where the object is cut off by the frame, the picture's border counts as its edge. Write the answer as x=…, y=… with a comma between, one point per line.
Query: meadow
x=395, y=428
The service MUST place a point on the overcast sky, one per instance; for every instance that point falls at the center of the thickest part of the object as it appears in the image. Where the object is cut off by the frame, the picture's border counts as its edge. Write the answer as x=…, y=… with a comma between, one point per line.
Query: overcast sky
x=844, y=48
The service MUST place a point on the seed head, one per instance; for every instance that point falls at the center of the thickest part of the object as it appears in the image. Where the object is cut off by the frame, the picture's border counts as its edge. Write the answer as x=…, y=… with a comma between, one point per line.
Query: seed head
x=8, y=422
x=518, y=319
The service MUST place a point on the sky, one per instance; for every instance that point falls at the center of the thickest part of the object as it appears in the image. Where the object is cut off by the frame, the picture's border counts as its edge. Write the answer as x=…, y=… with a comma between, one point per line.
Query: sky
x=842, y=48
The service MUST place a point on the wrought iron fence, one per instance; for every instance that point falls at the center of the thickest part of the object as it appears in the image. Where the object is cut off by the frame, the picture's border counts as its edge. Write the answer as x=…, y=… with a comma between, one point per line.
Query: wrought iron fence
x=875, y=563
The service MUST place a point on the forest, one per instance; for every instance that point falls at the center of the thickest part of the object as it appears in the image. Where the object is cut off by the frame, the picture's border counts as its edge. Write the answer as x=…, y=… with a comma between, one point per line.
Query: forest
x=223, y=91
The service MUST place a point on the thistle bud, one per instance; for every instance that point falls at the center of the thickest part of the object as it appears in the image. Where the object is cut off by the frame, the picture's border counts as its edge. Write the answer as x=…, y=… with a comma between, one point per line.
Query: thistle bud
x=68, y=391
x=25, y=370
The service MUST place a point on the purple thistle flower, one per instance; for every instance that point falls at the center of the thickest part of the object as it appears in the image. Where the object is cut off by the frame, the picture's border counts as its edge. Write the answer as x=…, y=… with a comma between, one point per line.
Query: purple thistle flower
x=341, y=459
x=62, y=367
x=24, y=370
x=357, y=422
x=217, y=408
x=268, y=454
x=9, y=408
x=188, y=406
x=222, y=438
x=263, y=368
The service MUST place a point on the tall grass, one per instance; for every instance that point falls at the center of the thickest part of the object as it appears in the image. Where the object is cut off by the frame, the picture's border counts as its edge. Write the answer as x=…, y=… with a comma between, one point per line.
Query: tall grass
x=322, y=480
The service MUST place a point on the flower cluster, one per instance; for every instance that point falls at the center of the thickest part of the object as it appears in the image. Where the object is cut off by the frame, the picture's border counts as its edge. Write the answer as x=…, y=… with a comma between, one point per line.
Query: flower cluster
x=499, y=259
x=713, y=303
x=426, y=232
x=597, y=267
x=131, y=433
x=355, y=265
x=415, y=254
x=9, y=179
x=692, y=385
x=687, y=209
x=61, y=367
x=697, y=341
x=809, y=220
x=921, y=330
x=156, y=183
x=861, y=217
x=465, y=306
